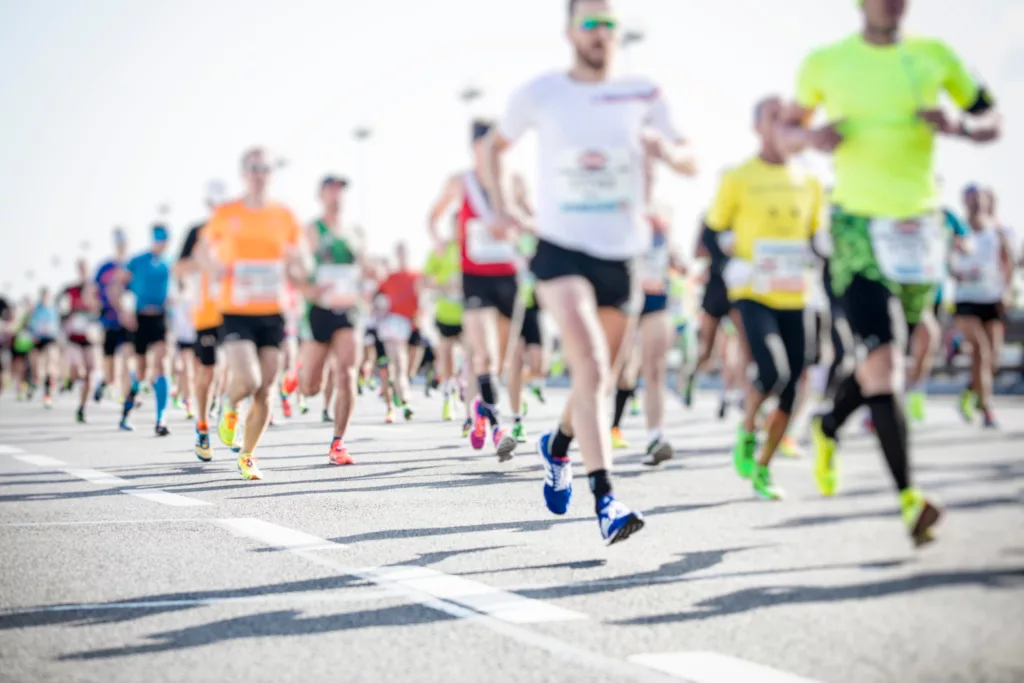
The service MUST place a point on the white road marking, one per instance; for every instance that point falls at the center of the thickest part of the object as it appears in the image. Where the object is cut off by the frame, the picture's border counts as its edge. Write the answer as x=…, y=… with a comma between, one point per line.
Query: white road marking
x=275, y=535
x=9, y=450
x=711, y=667
x=317, y=598
x=101, y=478
x=100, y=522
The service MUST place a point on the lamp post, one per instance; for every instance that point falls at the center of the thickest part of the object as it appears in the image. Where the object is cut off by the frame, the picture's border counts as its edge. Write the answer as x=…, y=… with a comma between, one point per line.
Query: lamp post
x=362, y=136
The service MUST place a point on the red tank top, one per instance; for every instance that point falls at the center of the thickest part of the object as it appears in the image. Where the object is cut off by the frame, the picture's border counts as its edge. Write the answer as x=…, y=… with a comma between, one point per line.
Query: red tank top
x=489, y=260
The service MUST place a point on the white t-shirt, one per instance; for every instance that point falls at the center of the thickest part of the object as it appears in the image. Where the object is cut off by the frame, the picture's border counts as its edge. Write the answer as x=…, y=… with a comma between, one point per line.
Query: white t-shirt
x=180, y=314
x=590, y=159
x=982, y=280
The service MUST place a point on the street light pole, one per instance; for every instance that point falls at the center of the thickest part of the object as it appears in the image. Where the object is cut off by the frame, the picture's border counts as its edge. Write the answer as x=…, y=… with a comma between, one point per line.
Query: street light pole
x=362, y=135
x=630, y=38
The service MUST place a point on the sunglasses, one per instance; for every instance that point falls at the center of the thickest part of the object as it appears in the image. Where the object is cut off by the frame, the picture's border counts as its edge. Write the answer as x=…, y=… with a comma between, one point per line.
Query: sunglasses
x=257, y=168
x=596, y=21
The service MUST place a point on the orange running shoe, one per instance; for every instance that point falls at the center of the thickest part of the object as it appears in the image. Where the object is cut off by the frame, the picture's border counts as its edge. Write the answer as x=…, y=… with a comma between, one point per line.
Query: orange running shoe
x=339, y=454
x=286, y=407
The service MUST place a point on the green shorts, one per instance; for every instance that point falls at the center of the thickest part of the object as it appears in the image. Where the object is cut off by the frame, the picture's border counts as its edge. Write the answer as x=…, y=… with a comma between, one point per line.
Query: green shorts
x=853, y=255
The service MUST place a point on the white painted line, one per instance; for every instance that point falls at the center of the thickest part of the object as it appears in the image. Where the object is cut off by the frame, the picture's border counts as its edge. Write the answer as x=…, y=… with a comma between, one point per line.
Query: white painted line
x=101, y=478
x=172, y=499
x=9, y=450
x=477, y=596
x=711, y=667
x=316, y=598
x=100, y=522
x=276, y=536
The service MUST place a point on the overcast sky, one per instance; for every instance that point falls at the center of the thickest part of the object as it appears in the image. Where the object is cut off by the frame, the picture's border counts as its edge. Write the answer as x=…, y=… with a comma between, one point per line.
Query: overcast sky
x=112, y=107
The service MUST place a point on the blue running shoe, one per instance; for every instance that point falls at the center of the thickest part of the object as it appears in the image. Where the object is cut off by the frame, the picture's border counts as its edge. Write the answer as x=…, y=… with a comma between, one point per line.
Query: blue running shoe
x=617, y=521
x=126, y=426
x=557, y=477
x=203, y=449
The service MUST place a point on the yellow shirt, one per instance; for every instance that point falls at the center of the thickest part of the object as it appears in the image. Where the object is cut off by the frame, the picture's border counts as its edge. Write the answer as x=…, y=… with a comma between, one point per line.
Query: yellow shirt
x=884, y=166
x=773, y=210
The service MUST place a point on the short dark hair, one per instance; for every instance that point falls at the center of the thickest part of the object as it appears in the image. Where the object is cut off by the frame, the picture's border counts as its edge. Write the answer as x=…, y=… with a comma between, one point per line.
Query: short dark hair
x=480, y=129
x=572, y=7
x=761, y=104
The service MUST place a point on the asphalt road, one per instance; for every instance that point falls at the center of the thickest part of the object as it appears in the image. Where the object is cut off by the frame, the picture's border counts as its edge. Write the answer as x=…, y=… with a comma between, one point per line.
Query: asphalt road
x=125, y=559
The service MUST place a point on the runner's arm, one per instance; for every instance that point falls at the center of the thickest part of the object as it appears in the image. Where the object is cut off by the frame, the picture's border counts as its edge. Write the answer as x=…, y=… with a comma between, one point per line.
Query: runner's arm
x=982, y=122
x=793, y=132
x=451, y=193
x=668, y=146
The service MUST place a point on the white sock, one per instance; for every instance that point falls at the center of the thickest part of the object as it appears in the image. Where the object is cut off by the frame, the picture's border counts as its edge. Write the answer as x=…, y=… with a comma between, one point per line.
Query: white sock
x=653, y=435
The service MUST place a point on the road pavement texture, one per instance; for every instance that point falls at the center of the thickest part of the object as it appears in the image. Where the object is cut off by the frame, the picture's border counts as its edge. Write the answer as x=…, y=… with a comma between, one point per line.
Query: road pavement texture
x=125, y=559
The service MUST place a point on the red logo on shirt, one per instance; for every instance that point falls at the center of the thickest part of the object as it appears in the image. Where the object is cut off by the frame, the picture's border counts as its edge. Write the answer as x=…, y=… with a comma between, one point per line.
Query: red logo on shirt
x=593, y=161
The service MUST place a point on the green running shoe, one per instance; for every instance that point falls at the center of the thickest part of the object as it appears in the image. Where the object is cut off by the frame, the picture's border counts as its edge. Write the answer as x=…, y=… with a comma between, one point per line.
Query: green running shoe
x=826, y=473
x=916, y=408
x=519, y=433
x=968, y=403
x=743, y=453
x=763, y=486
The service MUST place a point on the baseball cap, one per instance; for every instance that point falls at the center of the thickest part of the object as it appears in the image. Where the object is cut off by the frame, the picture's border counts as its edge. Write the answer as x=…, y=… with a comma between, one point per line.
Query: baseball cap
x=334, y=180
x=160, y=234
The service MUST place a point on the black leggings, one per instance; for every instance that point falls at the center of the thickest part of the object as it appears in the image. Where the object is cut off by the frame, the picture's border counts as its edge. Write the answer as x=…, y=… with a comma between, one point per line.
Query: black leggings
x=843, y=346
x=779, y=349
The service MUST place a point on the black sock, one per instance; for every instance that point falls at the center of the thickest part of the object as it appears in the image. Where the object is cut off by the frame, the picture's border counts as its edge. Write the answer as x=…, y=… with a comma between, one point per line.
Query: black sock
x=560, y=444
x=848, y=399
x=621, y=399
x=47, y=385
x=600, y=485
x=891, y=428
x=488, y=398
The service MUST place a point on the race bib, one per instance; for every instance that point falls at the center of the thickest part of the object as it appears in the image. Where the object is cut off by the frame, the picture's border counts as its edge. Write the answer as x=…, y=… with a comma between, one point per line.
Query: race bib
x=981, y=285
x=654, y=271
x=395, y=328
x=77, y=324
x=912, y=251
x=483, y=248
x=595, y=181
x=779, y=266
x=345, y=285
x=257, y=282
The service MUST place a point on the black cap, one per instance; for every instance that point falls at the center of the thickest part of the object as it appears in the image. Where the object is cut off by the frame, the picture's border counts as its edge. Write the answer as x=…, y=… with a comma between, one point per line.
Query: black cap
x=333, y=180
x=481, y=129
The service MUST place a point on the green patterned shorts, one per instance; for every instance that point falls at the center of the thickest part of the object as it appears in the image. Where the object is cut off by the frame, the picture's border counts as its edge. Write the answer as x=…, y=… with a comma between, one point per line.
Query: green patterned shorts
x=853, y=254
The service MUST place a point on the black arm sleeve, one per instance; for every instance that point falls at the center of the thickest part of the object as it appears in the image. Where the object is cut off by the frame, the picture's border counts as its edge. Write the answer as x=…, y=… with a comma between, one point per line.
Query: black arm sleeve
x=982, y=104
x=190, y=242
x=710, y=241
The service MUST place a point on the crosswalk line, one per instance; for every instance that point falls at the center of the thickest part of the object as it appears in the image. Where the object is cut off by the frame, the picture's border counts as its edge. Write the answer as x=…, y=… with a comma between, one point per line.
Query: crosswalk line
x=9, y=450
x=712, y=667
x=101, y=478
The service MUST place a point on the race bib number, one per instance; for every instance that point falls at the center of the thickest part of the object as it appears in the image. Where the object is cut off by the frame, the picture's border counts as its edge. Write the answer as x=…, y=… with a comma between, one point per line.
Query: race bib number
x=779, y=266
x=257, y=282
x=77, y=325
x=981, y=285
x=395, y=328
x=483, y=248
x=654, y=271
x=345, y=285
x=596, y=181
x=912, y=251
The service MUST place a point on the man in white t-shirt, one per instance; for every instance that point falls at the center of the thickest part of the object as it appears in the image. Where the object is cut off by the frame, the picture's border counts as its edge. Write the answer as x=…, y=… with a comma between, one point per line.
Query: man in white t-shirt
x=593, y=134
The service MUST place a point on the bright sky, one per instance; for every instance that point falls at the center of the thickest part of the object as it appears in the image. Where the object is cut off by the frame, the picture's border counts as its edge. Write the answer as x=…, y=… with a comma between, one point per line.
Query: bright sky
x=112, y=107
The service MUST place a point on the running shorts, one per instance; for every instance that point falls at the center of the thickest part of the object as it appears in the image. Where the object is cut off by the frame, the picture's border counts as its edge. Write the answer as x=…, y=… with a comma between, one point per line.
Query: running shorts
x=986, y=313
x=530, y=333
x=853, y=257
x=716, y=298
x=152, y=330
x=654, y=303
x=113, y=339
x=323, y=323
x=448, y=331
x=776, y=375
x=206, y=345
x=265, y=331
x=43, y=343
x=614, y=282
x=490, y=291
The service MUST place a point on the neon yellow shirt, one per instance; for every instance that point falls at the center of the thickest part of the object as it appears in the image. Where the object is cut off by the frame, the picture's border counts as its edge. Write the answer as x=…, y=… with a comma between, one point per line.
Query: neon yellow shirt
x=884, y=166
x=446, y=270
x=772, y=210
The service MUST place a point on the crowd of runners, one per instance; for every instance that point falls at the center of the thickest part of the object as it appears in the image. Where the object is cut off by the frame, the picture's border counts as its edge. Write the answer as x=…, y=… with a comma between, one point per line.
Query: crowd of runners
x=816, y=301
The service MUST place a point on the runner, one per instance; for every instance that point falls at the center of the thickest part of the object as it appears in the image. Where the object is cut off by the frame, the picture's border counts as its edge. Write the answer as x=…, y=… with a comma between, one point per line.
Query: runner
x=147, y=276
x=888, y=245
x=983, y=276
x=206, y=319
x=22, y=347
x=182, y=317
x=334, y=314
x=592, y=145
x=251, y=248
x=115, y=336
x=443, y=274
x=773, y=210
x=45, y=356
x=6, y=339
x=714, y=308
x=490, y=290
x=78, y=301
x=397, y=328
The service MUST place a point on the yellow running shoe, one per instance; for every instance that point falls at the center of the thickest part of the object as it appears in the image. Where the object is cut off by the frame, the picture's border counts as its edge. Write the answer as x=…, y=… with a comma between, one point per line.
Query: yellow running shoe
x=919, y=515
x=618, y=443
x=226, y=428
x=825, y=470
x=248, y=468
x=789, y=447
x=916, y=405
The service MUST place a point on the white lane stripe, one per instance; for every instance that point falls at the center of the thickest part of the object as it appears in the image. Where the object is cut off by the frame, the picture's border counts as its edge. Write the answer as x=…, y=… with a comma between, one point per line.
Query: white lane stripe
x=274, y=535
x=711, y=667
x=316, y=598
x=101, y=478
x=9, y=450
x=478, y=597
x=100, y=522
